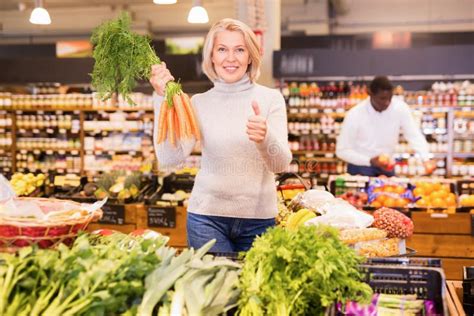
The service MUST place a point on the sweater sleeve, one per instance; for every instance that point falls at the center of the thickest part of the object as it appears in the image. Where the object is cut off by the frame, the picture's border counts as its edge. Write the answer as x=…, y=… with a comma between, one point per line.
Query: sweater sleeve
x=346, y=141
x=413, y=135
x=274, y=149
x=169, y=156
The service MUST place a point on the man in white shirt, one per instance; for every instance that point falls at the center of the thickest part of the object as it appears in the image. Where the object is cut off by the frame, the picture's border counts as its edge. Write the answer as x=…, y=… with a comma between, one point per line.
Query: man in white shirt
x=371, y=131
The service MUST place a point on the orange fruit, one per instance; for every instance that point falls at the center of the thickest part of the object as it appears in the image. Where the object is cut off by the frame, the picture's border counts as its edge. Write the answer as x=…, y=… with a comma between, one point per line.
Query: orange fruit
x=428, y=188
x=376, y=204
x=381, y=199
x=438, y=202
x=399, y=190
x=446, y=187
x=435, y=195
x=443, y=194
x=436, y=186
x=418, y=191
x=389, y=189
x=451, y=199
x=389, y=202
x=400, y=202
x=421, y=203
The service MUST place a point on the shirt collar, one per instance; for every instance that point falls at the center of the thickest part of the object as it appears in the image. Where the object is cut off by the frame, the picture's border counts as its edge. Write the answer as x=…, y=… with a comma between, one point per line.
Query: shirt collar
x=243, y=84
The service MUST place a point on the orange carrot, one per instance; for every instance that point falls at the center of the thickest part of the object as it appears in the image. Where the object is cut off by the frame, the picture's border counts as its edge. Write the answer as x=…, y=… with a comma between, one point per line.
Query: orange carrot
x=177, y=125
x=181, y=115
x=191, y=118
x=171, y=131
x=162, y=122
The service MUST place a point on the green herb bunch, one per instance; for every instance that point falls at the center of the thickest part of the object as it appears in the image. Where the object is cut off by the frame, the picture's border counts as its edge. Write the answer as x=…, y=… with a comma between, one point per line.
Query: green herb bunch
x=299, y=272
x=121, y=57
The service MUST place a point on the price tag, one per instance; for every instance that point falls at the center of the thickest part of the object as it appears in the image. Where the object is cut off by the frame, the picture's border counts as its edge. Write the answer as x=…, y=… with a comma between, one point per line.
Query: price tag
x=76, y=112
x=50, y=131
x=22, y=130
x=161, y=217
x=98, y=152
x=111, y=152
x=62, y=131
x=304, y=111
x=293, y=111
x=74, y=152
x=324, y=175
x=23, y=151
x=36, y=131
x=329, y=155
x=36, y=151
x=49, y=152
x=309, y=155
x=59, y=112
x=133, y=153
x=40, y=112
x=113, y=214
x=19, y=112
x=328, y=111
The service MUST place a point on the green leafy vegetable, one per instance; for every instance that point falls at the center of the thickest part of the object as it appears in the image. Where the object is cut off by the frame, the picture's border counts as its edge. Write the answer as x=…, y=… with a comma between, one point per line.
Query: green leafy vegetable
x=299, y=272
x=121, y=57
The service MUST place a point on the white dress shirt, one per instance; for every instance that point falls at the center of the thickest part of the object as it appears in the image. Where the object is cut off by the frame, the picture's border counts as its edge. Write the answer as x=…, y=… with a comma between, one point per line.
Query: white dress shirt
x=366, y=133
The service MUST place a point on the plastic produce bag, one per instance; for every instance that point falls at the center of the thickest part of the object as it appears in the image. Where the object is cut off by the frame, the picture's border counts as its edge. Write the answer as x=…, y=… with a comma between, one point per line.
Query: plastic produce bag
x=311, y=199
x=10, y=207
x=341, y=214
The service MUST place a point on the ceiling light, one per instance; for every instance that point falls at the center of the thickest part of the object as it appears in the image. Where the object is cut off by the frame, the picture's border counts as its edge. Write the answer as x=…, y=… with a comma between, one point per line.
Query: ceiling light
x=198, y=14
x=164, y=1
x=40, y=15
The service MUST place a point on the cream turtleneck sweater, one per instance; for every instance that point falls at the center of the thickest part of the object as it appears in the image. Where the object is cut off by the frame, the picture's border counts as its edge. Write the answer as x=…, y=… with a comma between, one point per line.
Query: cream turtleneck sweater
x=236, y=178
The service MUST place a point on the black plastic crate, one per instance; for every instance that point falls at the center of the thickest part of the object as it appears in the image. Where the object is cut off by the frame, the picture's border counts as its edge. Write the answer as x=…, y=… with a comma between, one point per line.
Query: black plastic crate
x=426, y=282
x=468, y=286
x=411, y=262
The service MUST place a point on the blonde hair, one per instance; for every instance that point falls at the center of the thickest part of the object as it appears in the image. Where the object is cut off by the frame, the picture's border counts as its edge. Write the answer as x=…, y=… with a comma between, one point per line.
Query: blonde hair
x=250, y=40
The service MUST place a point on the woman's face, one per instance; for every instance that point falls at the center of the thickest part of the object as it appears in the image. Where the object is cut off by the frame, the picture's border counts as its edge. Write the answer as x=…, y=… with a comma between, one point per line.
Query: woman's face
x=230, y=56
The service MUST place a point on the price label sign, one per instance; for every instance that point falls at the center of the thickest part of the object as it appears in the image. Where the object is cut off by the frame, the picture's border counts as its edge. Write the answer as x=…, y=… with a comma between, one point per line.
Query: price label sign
x=161, y=217
x=113, y=214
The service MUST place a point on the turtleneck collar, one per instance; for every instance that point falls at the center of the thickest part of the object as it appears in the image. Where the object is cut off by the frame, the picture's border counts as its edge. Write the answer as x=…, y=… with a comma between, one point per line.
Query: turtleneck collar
x=243, y=84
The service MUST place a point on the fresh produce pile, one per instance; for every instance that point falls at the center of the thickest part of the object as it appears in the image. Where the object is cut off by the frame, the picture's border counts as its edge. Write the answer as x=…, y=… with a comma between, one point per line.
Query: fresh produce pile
x=122, y=57
x=358, y=199
x=383, y=193
x=116, y=274
x=434, y=195
x=116, y=184
x=299, y=272
x=27, y=184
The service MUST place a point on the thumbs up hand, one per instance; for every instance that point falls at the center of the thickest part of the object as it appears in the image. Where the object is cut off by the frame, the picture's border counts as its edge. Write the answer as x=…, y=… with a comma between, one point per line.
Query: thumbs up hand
x=256, y=125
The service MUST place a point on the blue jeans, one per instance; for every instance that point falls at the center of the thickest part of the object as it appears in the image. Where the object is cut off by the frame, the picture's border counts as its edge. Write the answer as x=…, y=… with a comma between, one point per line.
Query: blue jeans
x=368, y=171
x=231, y=234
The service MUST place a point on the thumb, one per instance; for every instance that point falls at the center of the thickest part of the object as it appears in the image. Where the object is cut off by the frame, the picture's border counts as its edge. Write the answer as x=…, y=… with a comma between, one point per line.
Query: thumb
x=256, y=108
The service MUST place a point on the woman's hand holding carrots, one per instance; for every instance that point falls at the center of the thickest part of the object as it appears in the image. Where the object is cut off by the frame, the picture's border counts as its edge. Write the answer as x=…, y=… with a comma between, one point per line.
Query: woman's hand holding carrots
x=256, y=125
x=176, y=120
x=160, y=75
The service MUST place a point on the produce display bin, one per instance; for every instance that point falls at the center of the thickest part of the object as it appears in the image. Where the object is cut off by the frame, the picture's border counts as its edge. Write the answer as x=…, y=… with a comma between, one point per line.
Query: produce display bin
x=426, y=282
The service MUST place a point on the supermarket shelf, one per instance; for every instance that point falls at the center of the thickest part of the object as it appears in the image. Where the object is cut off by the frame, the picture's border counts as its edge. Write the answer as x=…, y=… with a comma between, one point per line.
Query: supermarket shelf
x=50, y=151
x=38, y=110
x=463, y=155
x=464, y=136
x=313, y=152
x=111, y=152
x=314, y=115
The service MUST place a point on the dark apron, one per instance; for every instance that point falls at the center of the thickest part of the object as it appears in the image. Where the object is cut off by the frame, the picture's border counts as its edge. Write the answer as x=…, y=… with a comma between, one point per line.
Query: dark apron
x=368, y=171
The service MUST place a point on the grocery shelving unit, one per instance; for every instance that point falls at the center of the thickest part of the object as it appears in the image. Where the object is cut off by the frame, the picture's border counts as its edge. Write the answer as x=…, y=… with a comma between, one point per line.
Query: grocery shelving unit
x=46, y=133
x=316, y=112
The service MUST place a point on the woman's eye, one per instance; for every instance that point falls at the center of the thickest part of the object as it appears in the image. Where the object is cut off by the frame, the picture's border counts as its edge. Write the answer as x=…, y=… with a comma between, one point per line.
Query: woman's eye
x=240, y=50
x=221, y=49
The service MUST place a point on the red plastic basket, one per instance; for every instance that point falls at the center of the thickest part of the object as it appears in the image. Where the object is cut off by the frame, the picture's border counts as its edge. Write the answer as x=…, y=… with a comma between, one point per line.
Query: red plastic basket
x=25, y=231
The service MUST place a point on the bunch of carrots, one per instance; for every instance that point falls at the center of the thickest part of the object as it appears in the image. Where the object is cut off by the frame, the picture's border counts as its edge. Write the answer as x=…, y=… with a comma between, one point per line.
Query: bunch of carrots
x=176, y=120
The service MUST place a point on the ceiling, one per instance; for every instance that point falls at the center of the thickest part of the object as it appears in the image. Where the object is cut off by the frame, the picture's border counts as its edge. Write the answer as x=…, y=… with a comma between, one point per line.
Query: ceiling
x=77, y=18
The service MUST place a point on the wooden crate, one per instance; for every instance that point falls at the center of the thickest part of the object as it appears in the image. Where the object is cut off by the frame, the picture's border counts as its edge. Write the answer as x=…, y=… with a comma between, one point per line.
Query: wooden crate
x=444, y=236
x=177, y=234
x=454, y=297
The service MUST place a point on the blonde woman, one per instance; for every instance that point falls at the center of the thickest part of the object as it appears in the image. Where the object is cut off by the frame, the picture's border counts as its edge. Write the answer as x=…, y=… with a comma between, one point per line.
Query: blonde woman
x=244, y=142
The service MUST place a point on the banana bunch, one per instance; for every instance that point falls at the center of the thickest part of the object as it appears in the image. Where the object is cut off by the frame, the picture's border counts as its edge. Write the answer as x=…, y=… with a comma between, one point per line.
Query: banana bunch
x=297, y=219
x=25, y=184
